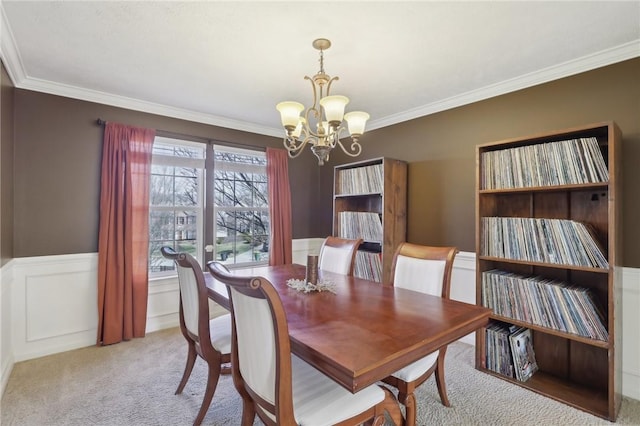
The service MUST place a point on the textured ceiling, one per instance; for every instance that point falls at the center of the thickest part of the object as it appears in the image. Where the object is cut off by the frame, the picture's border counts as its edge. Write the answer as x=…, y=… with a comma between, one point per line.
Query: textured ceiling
x=229, y=63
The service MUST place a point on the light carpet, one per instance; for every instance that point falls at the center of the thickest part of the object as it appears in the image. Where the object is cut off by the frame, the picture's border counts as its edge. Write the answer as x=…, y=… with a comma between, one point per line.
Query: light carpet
x=133, y=383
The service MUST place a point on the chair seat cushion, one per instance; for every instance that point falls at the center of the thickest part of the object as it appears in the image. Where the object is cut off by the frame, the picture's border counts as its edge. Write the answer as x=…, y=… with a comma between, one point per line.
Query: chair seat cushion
x=220, y=331
x=318, y=400
x=416, y=369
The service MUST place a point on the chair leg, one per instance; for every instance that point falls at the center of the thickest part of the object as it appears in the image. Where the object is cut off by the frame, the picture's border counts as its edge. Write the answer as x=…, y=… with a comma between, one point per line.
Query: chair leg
x=191, y=359
x=409, y=402
x=248, y=412
x=212, y=383
x=392, y=407
x=442, y=387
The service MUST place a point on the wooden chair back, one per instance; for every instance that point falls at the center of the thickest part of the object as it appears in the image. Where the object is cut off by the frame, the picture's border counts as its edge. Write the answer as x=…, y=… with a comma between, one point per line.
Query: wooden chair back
x=338, y=255
x=423, y=268
x=261, y=351
x=194, y=302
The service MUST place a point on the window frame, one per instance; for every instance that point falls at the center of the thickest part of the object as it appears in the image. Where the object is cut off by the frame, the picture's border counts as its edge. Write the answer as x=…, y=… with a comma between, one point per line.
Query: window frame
x=238, y=167
x=206, y=210
x=199, y=209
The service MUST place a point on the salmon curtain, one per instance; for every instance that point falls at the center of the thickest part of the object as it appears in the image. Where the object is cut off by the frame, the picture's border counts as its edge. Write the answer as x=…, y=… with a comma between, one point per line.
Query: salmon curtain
x=279, y=207
x=123, y=239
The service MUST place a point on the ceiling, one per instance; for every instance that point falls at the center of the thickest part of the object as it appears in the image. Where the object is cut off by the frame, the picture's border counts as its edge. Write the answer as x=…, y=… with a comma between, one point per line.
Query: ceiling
x=229, y=63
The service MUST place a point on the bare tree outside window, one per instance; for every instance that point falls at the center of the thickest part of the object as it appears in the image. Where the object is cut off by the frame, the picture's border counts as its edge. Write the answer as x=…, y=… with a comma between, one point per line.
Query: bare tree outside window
x=177, y=207
x=175, y=194
x=241, y=208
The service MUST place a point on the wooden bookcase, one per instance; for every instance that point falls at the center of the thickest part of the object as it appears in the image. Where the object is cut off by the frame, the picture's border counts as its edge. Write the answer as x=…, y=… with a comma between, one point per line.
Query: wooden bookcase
x=387, y=199
x=580, y=371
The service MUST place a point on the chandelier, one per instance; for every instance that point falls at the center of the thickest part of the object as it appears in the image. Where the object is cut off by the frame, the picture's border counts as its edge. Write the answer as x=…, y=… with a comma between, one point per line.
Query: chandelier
x=325, y=115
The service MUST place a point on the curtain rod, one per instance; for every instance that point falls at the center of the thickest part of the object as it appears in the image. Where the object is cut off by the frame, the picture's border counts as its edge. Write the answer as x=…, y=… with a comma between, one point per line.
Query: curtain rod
x=168, y=134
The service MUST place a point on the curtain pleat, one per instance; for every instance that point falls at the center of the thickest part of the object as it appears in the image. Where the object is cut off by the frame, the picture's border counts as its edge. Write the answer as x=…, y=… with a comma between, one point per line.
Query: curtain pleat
x=123, y=239
x=279, y=207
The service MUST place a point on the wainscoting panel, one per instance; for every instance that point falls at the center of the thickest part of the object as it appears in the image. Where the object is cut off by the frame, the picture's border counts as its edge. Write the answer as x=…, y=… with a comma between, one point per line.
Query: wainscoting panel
x=303, y=247
x=631, y=332
x=163, y=305
x=6, y=344
x=54, y=305
x=46, y=320
x=463, y=284
x=48, y=304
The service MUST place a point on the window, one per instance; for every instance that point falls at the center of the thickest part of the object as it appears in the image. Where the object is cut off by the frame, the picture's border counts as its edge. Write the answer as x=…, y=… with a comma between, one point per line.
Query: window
x=229, y=223
x=241, y=206
x=175, y=201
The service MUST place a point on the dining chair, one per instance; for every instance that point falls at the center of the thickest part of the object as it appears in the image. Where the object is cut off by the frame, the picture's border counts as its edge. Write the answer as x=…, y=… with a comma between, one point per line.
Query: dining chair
x=338, y=255
x=279, y=387
x=208, y=338
x=428, y=270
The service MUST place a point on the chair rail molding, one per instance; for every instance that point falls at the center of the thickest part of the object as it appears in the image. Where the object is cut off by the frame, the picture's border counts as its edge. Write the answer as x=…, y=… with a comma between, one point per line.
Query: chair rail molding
x=48, y=304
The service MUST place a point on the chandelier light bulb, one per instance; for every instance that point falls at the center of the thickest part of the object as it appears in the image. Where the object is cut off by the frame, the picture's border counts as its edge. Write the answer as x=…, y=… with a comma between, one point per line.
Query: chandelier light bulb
x=334, y=108
x=356, y=121
x=298, y=130
x=290, y=114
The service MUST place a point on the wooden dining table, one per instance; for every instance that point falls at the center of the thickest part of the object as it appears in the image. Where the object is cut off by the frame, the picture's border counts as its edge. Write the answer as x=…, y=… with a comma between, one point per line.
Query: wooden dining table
x=365, y=331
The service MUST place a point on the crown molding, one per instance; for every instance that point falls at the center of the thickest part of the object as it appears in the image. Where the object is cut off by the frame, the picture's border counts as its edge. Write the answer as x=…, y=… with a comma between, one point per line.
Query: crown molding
x=143, y=106
x=8, y=52
x=586, y=63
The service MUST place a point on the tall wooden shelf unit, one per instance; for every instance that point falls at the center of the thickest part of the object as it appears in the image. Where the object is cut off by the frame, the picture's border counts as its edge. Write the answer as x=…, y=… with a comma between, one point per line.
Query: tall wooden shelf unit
x=580, y=371
x=385, y=197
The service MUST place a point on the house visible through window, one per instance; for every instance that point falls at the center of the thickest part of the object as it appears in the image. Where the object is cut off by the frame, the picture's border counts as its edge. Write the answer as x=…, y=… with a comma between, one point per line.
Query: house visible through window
x=228, y=222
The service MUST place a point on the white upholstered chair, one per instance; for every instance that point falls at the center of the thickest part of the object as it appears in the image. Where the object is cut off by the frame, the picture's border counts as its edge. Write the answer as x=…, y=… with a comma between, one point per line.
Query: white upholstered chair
x=427, y=270
x=210, y=339
x=338, y=255
x=276, y=385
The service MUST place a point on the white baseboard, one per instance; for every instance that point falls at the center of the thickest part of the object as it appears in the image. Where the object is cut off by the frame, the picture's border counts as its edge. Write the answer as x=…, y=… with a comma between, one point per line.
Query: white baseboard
x=50, y=305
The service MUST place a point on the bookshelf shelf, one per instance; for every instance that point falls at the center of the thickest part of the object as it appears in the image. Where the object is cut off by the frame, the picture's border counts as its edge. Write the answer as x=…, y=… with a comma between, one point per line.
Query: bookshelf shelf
x=370, y=202
x=548, y=245
x=547, y=265
x=581, y=397
x=596, y=186
x=587, y=341
x=364, y=195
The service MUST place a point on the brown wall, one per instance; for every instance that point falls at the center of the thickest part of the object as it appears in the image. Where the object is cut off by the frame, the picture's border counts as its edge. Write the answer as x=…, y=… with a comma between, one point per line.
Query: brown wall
x=440, y=148
x=57, y=170
x=57, y=157
x=6, y=166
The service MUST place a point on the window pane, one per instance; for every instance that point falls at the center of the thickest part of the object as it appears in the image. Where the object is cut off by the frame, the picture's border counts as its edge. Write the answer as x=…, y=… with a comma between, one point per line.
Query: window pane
x=225, y=246
x=186, y=191
x=161, y=190
x=241, y=186
x=260, y=194
x=224, y=194
x=172, y=149
x=244, y=190
x=161, y=225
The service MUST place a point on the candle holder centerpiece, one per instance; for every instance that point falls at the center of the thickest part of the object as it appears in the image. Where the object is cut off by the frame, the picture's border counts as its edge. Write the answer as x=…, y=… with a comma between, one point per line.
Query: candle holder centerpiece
x=311, y=282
